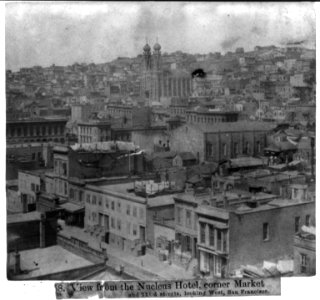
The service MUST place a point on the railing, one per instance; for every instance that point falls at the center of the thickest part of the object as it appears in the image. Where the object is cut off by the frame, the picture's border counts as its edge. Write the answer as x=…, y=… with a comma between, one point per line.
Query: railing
x=80, y=247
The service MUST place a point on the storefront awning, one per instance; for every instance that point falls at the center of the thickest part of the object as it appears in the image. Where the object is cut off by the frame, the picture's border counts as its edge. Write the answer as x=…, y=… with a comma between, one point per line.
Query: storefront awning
x=72, y=207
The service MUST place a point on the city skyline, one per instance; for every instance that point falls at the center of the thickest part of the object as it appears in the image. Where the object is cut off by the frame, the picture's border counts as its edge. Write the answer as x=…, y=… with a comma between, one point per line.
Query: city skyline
x=65, y=33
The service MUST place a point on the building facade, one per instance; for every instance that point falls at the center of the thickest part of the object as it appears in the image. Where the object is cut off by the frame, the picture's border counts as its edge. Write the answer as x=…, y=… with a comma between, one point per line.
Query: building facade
x=94, y=131
x=36, y=130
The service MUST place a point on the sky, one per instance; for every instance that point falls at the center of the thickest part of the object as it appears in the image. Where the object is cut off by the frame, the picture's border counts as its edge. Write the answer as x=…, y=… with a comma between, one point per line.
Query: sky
x=44, y=33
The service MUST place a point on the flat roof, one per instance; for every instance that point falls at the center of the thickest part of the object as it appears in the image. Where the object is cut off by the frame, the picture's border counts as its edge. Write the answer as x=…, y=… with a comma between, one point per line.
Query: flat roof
x=45, y=261
x=274, y=204
x=239, y=126
x=36, y=172
x=161, y=200
x=213, y=211
x=38, y=120
x=23, y=217
x=121, y=189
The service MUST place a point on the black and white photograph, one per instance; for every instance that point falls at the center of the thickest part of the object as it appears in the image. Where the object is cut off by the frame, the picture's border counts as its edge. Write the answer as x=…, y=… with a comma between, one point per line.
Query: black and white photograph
x=160, y=142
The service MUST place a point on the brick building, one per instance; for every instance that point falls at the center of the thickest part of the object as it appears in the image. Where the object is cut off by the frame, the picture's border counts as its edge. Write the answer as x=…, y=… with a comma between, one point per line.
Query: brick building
x=226, y=234
x=221, y=141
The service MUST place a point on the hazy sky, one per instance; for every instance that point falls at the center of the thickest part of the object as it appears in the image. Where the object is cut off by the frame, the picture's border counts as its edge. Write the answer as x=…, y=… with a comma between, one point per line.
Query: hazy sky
x=65, y=33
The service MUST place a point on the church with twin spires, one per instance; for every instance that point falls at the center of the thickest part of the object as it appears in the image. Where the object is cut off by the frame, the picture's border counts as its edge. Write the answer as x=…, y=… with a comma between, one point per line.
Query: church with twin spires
x=159, y=84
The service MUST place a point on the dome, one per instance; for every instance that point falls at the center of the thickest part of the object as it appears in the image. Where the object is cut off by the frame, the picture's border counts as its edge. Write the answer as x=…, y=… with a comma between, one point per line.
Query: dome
x=156, y=47
x=146, y=47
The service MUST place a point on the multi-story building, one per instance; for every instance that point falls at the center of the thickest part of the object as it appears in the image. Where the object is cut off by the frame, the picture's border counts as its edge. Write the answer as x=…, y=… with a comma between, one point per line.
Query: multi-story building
x=226, y=234
x=210, y=116
x=29, y=183
x=121, y=216
x=220, y=141
x=36, y=130
x=305, y=251
x=94, y=131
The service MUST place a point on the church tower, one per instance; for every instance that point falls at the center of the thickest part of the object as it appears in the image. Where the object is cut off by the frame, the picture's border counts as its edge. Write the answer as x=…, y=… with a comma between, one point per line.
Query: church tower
x=146, y=80
x=157, y=70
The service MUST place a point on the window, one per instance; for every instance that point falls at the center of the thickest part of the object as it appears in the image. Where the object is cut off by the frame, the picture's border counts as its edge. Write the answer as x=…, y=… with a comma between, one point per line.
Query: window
x=211, y=235
x=33, y=188
x=134, y=213
x=247, y=148
x=141, y=213
x=134, y=229
x=94, y=200
x=80, y=196
x=209, y=149
x=119, y=207
x=308, y=218
x=107, y=202
x=236, y=148
x=258, y=146
x=304, y=263
x=100, y=200
x=179, y=215
x=265, y=231
x=88, y=198
x=65, y=188
x=93, y=216
x=128, y=227
x=119, y=224
x=219, y=239
x=112, y=205
x=64, y=169
x=112, y=223
x=188, y=218
x=128, y=209
x=296, y=224
x=188, y=243
x=225, y=149
x=202, y=233
x=71, y=194
x=295, y=193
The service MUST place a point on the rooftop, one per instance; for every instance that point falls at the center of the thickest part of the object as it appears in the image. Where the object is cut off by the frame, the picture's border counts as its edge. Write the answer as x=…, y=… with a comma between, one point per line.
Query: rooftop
x=45, y=261
x=234, y=126
x=105, y=146
x=274, y=204
x=24, y=217
x=125, y=189
x=36, y=172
